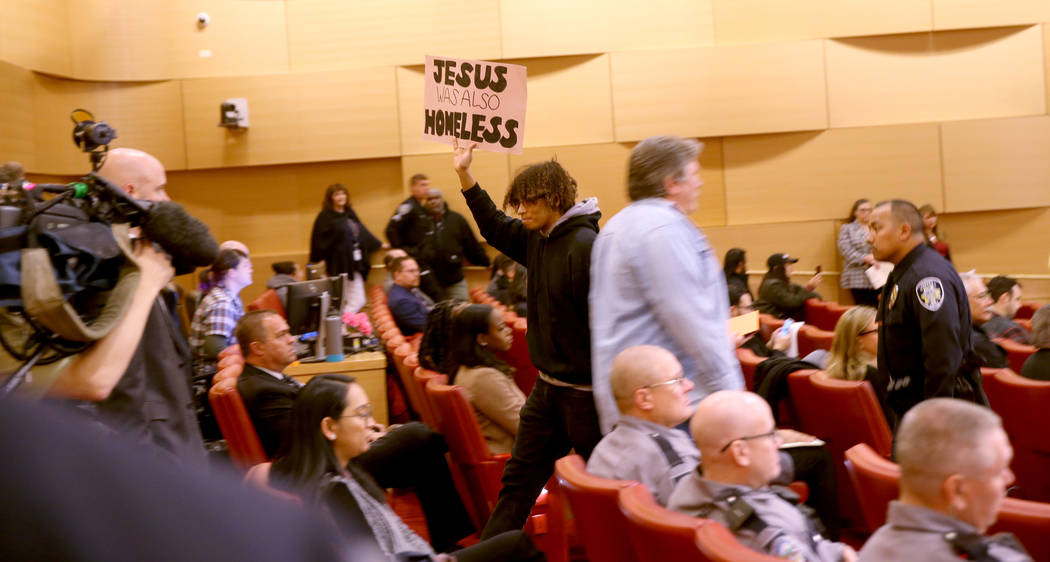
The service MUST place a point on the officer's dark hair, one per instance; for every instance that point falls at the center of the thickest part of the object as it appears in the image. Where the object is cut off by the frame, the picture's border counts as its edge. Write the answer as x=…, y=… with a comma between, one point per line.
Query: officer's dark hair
x=398, y=263
x=940, y=437
x=416, y=178
x=548, y=181
x=1000, y=285
x=905, y=212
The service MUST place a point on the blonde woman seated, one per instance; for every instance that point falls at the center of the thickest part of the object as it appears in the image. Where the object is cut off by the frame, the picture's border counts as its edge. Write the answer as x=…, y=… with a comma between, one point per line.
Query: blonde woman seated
x=459, y=340
x=854, y=351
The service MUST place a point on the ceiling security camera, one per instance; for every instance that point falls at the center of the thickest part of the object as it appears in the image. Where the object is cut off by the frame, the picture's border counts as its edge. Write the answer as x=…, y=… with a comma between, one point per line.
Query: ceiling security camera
x=203, y=20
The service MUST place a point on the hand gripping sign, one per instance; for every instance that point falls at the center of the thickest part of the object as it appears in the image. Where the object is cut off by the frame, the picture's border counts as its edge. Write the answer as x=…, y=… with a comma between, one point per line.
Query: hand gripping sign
x=477, y=101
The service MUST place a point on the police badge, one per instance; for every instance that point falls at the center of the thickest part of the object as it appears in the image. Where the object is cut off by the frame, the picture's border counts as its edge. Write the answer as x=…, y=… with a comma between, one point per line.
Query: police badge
x=930, y=292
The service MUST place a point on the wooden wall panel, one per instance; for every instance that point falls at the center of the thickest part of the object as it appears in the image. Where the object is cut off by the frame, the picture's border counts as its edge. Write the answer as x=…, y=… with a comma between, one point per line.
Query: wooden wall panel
x=941, y=76
x=808, y=176
x=146, y=116
x=999, y=242
x=120, y=40
x=762, y=21
x=550, y=27
x=305, y=117
x=569, y=102
x=717, y=91
x=16, y=113
x=1046, y=62
x=490, y=169
x=996, y=163
x=35, y=34
x=959, y=14
x=323, y=34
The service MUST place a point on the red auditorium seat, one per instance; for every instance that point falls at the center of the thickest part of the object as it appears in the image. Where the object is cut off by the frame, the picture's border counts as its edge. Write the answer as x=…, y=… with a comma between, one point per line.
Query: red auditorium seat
x=1022, y=404
x=1026, y=311
x=236, y=426
x=518, y=357
x=811, y=338
x=875, y=480
x=842, y=413
x=1029, y=521
x=268, y=300
x=1016, y=353
x=748, y=362
x=657, y=533
x=420, y=378
x=595, y=506
x=767, y=323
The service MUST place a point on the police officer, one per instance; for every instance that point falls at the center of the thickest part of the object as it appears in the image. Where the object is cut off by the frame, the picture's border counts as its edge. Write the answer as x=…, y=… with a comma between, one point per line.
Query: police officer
x=409, y=229
x=955, y=467
x=925, y=339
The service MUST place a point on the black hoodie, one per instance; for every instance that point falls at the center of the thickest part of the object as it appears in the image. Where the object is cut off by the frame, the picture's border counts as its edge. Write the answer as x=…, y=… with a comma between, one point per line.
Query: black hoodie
x=558, y=267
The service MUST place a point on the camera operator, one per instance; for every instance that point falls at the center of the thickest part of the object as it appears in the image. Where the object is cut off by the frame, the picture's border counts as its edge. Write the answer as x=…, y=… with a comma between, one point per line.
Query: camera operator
x=152, y=402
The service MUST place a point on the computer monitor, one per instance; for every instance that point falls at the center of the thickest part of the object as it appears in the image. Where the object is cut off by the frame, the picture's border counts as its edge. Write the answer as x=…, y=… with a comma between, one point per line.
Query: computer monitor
x=304, y=302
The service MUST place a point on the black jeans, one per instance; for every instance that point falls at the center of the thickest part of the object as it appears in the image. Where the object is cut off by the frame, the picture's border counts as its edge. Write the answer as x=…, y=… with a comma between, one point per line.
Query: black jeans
x=512, y=546
x=413, y=456
x=554, y=420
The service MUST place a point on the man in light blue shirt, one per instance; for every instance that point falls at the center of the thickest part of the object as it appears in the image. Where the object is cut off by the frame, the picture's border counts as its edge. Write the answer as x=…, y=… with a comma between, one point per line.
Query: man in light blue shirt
x=655, y=279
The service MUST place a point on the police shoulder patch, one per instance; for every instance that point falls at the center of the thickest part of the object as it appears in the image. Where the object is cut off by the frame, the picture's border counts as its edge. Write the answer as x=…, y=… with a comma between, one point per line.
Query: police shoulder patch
x=930, y=292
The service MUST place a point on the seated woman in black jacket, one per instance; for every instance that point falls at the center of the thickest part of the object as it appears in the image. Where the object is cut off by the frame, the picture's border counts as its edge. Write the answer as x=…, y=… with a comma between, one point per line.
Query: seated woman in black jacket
x=331, y=424
x=778, y=296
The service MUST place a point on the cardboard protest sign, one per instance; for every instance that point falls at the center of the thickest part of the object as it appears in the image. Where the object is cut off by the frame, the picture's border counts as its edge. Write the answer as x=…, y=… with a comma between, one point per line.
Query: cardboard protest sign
x=474, y=101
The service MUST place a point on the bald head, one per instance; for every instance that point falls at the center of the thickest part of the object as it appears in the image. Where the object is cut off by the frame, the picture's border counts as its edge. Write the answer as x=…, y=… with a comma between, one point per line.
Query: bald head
x=236, y=245
x=139, y=174
x=733, y=430
x=647, y=383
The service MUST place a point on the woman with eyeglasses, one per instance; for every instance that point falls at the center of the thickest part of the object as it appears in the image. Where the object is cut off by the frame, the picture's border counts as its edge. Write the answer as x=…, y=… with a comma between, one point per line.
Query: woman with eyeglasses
x=330, y=425
x=854, y=351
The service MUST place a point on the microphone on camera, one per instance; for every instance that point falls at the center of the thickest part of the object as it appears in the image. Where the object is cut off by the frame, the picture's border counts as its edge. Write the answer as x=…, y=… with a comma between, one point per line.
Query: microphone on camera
x=184, y=237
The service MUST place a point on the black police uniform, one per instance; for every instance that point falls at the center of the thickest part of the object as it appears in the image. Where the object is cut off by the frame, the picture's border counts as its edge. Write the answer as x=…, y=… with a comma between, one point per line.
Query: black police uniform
x=409, y=229
x=925, y=335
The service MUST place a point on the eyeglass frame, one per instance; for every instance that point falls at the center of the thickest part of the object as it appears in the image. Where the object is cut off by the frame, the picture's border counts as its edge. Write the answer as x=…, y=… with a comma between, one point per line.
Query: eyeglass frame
x=365, y=415
x=770, y=433
x=866, y=332
x=677, y=380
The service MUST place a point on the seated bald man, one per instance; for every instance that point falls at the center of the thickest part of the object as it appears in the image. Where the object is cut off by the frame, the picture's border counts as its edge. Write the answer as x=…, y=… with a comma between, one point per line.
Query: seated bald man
x=738, y=440
x=955, y=466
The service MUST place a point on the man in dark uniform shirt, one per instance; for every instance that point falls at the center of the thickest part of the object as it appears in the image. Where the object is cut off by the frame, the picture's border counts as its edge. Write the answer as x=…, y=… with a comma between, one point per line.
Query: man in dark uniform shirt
x=925, y=335
x=409, y=229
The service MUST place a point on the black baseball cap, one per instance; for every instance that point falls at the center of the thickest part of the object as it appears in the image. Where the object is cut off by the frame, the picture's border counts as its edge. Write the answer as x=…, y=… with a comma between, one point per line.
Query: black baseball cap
x=780, y=259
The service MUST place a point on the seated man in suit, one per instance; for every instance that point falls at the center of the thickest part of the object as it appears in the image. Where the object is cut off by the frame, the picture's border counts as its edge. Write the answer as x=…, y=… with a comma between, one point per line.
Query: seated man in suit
x=955, y=466
x=738, y=440
x=646, y=444
x=405, y=300
x=407, y=456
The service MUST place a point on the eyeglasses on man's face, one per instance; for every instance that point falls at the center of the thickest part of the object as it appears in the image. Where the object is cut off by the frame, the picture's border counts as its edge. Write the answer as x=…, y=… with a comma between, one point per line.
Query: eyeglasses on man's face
x=771, y=434
x=670, y=382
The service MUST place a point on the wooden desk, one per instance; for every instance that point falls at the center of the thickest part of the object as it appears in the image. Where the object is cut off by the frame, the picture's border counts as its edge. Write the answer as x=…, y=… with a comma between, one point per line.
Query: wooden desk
x=369, y=368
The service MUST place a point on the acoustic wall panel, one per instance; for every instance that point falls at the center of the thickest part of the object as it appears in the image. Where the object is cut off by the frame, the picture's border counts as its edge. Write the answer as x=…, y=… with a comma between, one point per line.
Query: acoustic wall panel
x=996, y=163
x=809, y=176
x=323, y=34
x=490, y=169
x=999, y=242
x=722, y=90
x=813, y=243
x=959, y=14
x=940, y=76
x=16, y=113
x=146, y=116
x=763, y=21
x=35, y=34
x=307, y=117
x=549, y=27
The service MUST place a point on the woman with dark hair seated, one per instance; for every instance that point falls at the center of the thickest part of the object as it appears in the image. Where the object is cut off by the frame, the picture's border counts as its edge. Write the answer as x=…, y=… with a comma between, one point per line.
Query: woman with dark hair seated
x=780, y=297
x=459, y=340
x=331, y=424
x=735, y=268
x=1037, y=366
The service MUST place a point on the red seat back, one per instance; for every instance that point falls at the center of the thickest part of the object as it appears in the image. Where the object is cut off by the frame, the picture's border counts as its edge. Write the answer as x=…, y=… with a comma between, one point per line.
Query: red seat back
x=657, y=533
x=1016, y=353
x=717, y=544
x=268, y=300
x=875, y=480
x=811, y=338
x=767, y=323
x=234, y=422
x=518, y=357
x=1027, y=310
x=595, y=504
x=748, y=363
x=420, y=378
x=1022, y=404
x=842, y=413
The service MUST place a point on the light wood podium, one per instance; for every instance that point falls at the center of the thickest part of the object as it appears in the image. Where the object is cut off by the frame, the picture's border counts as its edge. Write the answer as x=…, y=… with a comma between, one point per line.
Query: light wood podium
x=369, y=368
